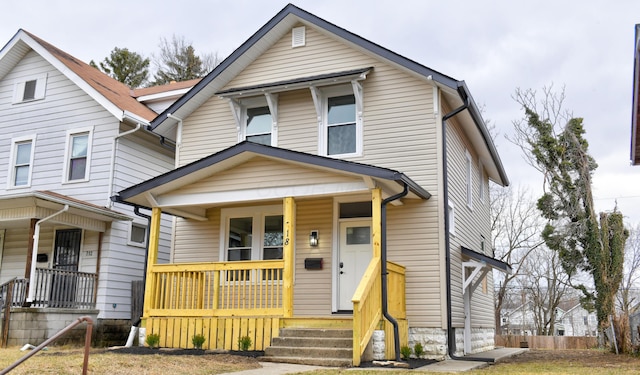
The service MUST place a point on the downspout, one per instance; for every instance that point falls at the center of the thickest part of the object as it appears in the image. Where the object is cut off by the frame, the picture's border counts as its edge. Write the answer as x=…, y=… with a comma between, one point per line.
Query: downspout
x=383, y=268
x=451, y=338
x=136, y=210
x=178, y=137
x=112, y=171
x=34, y=254
x=135, y=323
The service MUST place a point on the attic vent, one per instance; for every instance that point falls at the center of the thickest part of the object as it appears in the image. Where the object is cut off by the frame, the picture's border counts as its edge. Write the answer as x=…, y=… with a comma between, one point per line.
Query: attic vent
x=298, y=37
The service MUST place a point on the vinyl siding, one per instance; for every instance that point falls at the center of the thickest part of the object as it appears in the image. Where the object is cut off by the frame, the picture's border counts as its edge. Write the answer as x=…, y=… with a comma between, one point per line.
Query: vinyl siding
x=197, y=241
x=68, y=108
x=471, y=224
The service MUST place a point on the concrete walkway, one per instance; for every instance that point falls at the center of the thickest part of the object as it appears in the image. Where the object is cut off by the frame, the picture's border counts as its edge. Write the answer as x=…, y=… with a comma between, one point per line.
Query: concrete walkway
x=448, y=365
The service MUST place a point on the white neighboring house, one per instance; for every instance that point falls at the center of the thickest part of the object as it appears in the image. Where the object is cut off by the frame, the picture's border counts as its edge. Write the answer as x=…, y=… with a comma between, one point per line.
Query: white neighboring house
x=70, y=137
x=571, y=320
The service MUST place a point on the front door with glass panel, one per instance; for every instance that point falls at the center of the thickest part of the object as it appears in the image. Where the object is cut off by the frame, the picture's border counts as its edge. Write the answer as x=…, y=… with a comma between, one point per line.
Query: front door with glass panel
x=356, y=251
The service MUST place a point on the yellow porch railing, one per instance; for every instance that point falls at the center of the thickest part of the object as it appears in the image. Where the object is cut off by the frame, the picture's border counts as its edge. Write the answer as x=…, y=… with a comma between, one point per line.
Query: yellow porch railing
x=243, y=288
x=367, y=307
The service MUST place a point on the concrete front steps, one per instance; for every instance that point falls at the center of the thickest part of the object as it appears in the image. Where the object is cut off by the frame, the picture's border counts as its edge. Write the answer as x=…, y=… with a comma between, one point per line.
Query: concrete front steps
x=312, y=346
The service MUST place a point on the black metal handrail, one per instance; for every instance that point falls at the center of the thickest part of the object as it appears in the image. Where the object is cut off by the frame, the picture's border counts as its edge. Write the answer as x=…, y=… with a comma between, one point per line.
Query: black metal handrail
x=87, y=345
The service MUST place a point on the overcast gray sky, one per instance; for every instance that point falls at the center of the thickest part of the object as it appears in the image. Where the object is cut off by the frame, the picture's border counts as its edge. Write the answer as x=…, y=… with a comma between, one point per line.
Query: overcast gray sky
x=495, y=46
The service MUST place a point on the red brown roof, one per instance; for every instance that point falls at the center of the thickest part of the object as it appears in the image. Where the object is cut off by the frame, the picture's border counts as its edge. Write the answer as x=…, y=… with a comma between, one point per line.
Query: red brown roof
x=164, y=88
x=114, y=91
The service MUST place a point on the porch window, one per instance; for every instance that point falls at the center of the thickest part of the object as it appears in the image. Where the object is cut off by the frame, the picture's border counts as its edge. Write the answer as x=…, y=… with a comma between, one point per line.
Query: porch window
x=256, y=235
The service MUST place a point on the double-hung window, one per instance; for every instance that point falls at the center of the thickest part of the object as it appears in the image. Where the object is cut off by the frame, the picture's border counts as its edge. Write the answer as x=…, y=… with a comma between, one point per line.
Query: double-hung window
x=22, y=162
x=252, y=233
x=340, y=110
x=258, y=125
x=78, y=156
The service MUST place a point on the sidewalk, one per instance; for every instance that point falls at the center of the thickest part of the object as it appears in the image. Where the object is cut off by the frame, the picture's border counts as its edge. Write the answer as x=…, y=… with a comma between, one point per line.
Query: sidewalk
x=448, y=365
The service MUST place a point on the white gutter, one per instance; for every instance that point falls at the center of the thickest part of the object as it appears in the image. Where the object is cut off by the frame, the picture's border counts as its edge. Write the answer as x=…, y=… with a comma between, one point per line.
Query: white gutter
x=34, y=253
x=112, y=170
x=178, y=137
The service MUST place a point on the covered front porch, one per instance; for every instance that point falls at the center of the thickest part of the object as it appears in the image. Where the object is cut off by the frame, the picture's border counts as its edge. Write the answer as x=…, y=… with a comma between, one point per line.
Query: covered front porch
x=50, y=248
x=257, y=277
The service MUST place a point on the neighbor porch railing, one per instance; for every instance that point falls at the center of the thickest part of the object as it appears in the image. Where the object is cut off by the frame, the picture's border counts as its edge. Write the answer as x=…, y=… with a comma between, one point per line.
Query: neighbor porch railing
x=367, y=302
x=64, y=289
x=13, y=292
x=242, y=288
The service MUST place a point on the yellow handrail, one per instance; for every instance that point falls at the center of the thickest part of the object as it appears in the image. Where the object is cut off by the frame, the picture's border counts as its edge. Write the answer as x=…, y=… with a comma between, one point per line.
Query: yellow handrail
x=367, y=308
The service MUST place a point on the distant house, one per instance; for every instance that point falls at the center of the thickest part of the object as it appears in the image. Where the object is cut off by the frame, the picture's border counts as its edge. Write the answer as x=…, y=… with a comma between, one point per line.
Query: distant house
x=324, y=181
x=571, y=320
x=70, y=137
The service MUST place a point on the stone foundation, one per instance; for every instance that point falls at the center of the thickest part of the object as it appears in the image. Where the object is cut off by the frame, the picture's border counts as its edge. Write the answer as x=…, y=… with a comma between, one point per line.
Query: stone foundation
x=111, y=332
x=434, y=341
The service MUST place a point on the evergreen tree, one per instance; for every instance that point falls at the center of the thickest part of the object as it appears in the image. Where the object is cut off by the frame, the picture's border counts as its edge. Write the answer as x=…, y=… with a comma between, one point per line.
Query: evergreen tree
x=584, y=240
x=125, y=66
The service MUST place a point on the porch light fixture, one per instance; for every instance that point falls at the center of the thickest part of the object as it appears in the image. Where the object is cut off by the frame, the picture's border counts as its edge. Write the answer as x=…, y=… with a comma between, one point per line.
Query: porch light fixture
x=313, y=238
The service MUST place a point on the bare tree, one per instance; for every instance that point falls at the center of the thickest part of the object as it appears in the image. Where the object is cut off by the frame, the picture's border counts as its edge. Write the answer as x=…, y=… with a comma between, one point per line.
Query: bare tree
x=177, y=61
x=628, y=290
x=515, y=229
x=546, y=284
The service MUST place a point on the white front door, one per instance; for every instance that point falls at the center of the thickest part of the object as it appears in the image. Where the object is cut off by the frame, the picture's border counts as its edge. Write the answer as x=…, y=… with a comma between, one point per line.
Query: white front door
x=356, y=251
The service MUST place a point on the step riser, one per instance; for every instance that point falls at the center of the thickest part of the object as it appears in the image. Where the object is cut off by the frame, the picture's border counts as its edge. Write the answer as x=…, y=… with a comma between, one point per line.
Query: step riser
x=312, y=342
x=274, y=351
x=331, y=362
x=308, y=333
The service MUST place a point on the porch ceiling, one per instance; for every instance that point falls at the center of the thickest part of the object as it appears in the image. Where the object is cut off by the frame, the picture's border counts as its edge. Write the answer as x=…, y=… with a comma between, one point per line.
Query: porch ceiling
x=250, y=172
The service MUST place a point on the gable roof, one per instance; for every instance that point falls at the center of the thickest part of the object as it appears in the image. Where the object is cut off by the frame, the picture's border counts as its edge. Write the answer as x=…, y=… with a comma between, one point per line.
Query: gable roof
x=635, y=105
x=282, y=23
x=243, y=151
x=113, y=95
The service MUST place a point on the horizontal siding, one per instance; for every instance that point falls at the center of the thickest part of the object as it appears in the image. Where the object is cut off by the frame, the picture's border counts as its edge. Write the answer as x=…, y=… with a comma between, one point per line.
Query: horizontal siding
x=197, y=241
x=312, y=288
x=262, y=173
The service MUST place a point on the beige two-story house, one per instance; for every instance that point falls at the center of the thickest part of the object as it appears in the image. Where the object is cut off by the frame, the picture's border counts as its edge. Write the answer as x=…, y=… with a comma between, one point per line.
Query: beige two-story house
x=324, y=182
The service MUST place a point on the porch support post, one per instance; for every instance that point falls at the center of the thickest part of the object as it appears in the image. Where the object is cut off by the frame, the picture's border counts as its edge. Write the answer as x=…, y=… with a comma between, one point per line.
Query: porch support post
x=376, y=221
x=152, y=258
x=30, y=250
x=289, y=240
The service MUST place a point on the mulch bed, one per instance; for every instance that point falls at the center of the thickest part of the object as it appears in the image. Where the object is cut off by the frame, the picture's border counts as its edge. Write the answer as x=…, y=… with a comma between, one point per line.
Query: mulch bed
x=144, y=350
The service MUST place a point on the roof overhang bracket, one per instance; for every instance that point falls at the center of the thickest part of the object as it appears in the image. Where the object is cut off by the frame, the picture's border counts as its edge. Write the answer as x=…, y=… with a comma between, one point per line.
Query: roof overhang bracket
x=477, y=268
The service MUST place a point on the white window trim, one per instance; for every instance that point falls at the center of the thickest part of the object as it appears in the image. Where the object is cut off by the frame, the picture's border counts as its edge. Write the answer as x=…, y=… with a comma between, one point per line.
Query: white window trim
x=320, y=98
x=12, y=162
x=452, y=218
x=239, y=110
x=258, y=214
x=41, y=86
x=469, y=179
x=142, y=244
x=67, y=155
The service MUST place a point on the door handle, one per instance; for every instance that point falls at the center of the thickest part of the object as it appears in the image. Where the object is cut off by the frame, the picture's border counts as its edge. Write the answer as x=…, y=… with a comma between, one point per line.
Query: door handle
x=341, y=266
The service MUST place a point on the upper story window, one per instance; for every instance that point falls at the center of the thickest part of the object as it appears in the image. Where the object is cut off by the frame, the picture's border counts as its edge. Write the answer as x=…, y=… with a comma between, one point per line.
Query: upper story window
x=256, y=118
x=21, y=162
x=30, y=88
x=78, y=155
x=259, y=125
x=341, y=120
